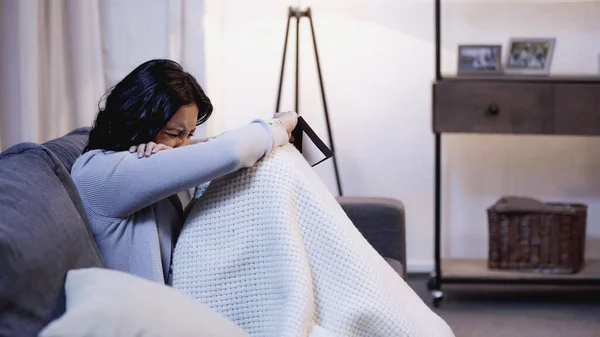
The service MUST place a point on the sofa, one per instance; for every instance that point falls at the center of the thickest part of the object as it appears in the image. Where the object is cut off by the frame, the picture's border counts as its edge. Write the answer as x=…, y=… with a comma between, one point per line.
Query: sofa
x=44, y=231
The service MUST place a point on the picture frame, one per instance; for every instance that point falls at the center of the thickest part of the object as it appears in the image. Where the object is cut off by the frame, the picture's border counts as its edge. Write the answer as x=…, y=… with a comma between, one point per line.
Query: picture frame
x=530, y=56
x=479, y=59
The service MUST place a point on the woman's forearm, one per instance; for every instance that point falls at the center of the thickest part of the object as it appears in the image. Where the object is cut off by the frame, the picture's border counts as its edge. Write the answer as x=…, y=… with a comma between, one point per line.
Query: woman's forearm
x=119, y=184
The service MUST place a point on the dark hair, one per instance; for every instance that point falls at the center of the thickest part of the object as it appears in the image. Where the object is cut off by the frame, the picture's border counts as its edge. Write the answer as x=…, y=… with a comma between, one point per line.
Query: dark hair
x=142, y=104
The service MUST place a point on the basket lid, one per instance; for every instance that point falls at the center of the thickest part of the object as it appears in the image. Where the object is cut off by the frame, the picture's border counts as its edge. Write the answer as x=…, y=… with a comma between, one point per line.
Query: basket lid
x=516, y=204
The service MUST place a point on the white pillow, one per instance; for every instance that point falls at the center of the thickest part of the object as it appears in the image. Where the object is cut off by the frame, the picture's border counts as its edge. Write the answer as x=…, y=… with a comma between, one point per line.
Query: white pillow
x=102, y=302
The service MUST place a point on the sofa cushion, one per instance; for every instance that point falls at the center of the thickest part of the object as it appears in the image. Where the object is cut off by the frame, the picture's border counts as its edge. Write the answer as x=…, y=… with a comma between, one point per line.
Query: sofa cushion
x=381, y=222
x=69, y=147
x=102, y=302
x=42, y=236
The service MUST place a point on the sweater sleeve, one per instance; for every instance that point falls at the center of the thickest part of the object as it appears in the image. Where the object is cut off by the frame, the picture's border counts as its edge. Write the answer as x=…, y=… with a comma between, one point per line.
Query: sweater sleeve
x=118, y=184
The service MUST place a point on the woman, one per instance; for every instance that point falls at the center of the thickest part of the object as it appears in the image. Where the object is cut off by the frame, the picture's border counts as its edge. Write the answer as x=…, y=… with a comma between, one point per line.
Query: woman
x=130, y=198
x=294, y=289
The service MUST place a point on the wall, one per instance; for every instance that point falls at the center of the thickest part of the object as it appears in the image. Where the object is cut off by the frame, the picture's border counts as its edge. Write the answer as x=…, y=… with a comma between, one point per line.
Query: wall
x=377, y=59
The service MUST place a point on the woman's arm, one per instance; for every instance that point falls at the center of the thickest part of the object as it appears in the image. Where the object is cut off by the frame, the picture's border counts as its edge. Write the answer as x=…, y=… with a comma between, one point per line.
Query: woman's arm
x=118, y=184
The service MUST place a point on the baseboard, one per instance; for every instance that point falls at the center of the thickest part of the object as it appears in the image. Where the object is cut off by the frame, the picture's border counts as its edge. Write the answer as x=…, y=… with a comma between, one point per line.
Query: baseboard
x=419, y=266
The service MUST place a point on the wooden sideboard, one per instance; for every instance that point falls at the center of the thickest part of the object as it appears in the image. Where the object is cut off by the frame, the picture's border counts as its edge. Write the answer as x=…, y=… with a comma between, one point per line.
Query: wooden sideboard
x=517, y=105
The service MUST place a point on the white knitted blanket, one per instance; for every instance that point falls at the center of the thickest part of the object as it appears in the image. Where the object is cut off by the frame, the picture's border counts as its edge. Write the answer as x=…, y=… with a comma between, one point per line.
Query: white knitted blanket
x=271, y=249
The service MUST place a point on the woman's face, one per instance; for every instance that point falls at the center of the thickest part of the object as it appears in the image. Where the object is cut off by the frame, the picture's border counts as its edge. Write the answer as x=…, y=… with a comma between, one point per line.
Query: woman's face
x=179, y=128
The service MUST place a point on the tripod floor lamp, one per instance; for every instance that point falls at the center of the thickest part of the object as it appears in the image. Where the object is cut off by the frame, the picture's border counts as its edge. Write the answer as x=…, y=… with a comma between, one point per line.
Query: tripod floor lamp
x=296, y=13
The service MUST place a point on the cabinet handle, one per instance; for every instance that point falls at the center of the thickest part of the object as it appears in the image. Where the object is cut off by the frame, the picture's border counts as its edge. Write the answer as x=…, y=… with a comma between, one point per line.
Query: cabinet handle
x=492, y=110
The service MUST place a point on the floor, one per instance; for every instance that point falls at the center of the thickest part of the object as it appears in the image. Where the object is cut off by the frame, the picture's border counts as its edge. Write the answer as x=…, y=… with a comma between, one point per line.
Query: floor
x=495, y=311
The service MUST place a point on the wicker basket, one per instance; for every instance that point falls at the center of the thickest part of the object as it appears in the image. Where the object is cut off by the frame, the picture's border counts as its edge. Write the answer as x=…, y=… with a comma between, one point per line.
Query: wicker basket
x=529, y=235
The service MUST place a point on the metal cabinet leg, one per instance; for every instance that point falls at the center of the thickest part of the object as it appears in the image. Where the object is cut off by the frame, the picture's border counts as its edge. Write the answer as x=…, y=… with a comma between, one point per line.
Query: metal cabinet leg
x=438, y=296
x=434, y=286
x=435, y=282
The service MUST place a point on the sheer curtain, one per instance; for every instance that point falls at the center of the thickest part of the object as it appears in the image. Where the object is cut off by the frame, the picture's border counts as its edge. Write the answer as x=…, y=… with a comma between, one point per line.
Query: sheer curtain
x=58, y=57
x=51, y=69
x=189, y=40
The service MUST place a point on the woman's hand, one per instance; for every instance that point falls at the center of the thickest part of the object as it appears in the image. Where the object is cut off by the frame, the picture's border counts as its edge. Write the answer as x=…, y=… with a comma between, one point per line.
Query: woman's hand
x=288, y=119
x=146, y=150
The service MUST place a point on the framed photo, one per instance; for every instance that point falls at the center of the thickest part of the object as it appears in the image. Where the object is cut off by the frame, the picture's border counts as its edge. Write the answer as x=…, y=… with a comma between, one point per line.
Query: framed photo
x=530, y=56
x=479, y=59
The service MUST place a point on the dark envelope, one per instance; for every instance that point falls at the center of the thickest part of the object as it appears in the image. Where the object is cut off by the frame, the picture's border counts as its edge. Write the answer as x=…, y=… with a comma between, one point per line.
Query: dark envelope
x=313, y=149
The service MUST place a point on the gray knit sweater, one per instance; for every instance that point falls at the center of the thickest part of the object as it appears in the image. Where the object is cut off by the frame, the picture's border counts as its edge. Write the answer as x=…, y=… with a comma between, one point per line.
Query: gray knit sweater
x=131, y=202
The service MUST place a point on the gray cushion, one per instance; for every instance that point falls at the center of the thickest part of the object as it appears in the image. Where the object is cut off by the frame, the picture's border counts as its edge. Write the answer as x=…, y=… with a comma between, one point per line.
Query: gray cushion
x=381, y=222
x=69, y=147
x=397, y=266
x=43, y=234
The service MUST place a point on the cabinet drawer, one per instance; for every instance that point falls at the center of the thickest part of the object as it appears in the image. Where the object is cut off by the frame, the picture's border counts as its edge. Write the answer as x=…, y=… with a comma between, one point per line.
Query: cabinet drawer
x=493, y=107
x=577, y=109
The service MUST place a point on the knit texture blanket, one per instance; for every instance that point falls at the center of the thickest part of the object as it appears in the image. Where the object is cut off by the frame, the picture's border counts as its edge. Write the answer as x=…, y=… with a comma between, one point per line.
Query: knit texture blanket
x=271, y=249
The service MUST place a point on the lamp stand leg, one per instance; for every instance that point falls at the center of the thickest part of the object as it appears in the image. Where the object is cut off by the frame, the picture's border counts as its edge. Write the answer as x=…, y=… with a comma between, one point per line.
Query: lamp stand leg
x=297, y=133
x=326, y=111
x=285, y=44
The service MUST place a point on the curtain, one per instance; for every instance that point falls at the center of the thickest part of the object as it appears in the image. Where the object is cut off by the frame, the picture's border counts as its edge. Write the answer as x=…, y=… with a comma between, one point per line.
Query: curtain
x=58, y=57
x=187, y=31
x=51, y=68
